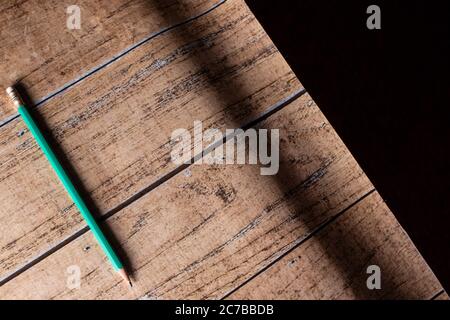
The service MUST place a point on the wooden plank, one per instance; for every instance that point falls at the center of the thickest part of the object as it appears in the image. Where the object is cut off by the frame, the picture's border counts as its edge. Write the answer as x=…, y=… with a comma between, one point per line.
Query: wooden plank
x=114, y=128
x=38, y=49
x=333, y=263
x=442, y=296
x=204, y=232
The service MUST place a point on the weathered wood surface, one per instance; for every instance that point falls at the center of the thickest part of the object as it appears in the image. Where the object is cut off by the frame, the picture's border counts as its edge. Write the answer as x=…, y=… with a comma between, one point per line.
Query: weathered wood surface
x=204, y=232
x=333, y=263
x=208, y=230
x=38, y=49
x=442, y=296
x=114, y=128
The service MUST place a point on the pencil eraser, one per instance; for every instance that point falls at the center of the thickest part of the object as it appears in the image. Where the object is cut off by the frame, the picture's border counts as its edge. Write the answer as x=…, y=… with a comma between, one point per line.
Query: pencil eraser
x=14, y=95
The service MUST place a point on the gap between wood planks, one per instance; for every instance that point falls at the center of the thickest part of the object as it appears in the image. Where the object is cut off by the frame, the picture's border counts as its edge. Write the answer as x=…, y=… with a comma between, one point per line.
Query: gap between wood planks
x=116, y=57
x=169, y=175
x=253, y=64
x=255, y=225
x=367, y=234
x=299, y=243
x=437, y=294
x=270, y=111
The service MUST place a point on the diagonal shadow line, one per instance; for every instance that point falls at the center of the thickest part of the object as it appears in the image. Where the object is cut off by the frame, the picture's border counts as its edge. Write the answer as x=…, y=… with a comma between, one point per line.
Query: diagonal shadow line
x=271, y=110
x=283, y=179
x=437, y=294
x=103, y=65
x=225, y=96
x=66, y=164
x=299, y=243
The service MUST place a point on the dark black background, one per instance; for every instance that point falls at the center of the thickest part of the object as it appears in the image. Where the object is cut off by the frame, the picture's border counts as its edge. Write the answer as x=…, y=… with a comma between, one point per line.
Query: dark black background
x=386, y=92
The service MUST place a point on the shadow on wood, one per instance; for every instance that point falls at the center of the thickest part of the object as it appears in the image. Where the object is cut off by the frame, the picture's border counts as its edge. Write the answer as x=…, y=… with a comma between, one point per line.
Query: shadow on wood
x=71, y=172
x=336, y=247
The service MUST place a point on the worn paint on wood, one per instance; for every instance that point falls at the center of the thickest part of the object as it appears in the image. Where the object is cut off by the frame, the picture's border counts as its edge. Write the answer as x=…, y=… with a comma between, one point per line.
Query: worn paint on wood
x=202, y=234
x=207, y=231
x=333, y=263
x=38, y=49
x=442, y=296
x=115, y=127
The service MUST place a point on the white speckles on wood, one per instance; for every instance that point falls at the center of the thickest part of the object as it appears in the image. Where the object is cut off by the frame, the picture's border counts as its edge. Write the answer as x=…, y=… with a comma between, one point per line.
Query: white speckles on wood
x=185, y=239
x=333, y=263
x=38, y=49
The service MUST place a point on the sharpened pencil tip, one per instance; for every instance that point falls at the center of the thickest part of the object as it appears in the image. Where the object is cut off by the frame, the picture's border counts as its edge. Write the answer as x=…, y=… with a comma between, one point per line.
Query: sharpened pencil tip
x=125, y=277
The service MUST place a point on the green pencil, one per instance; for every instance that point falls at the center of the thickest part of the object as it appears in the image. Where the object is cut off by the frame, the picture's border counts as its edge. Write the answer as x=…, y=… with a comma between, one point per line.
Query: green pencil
x=67, y=183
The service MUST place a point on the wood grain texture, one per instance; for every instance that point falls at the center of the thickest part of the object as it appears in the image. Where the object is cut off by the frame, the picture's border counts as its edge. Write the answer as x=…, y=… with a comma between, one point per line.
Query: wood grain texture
x=38, y=49
x=333, y=263
x=442, y=296
x=204, y=232
x=114, y=128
